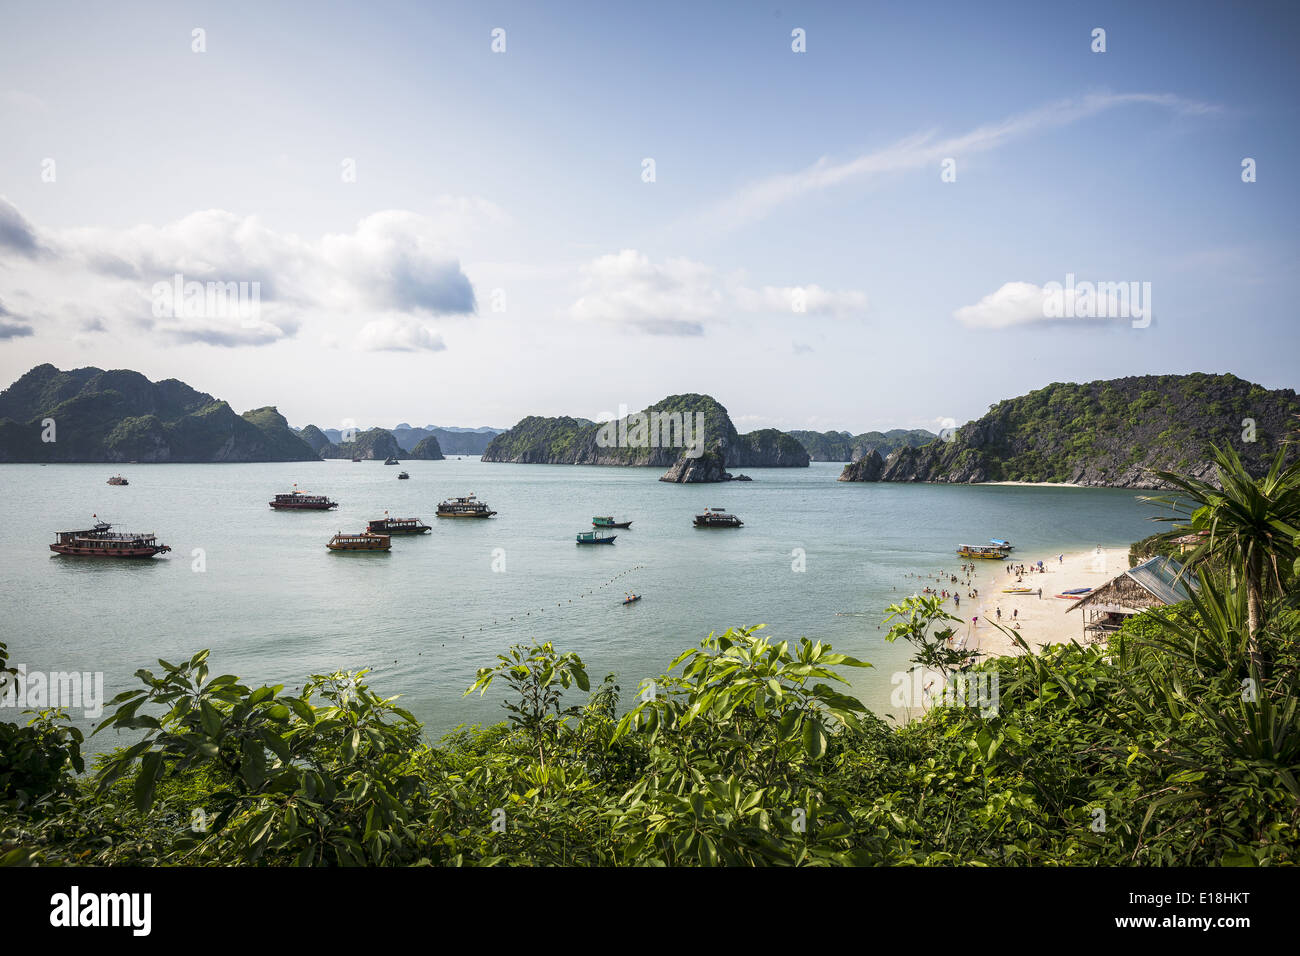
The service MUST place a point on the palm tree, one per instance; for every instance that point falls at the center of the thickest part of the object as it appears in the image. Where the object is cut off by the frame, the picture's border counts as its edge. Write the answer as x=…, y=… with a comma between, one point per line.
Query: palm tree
x=1251, y=524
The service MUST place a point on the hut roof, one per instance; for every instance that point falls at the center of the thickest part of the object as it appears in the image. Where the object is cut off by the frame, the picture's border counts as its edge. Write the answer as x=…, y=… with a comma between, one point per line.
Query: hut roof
x=1152, y=583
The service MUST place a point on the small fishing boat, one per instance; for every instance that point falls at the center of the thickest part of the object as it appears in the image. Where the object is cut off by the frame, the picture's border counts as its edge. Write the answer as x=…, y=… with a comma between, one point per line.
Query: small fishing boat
x=390, y=460
x=118, y=480
x=365, y=541
x=717, y=518
x=607, y=521
x=595, y=537
x=101, y=541
x=1019, y=591
x=632, y=599
x=403, y=476
x=387, y=525
x=299, y=501
x=467, y=507
x=989, y=553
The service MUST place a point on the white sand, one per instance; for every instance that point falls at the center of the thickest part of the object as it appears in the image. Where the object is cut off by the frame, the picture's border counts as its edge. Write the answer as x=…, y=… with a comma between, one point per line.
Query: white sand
x=1042, y=620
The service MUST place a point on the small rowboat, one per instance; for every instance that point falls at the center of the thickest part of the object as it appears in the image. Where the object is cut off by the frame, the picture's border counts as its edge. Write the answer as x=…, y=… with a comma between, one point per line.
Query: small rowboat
x=632, y=599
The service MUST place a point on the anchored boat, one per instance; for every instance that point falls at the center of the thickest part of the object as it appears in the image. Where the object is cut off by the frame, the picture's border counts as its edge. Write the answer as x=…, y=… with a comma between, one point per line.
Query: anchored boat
x=102, y=542
x=990, y=553
x=118, y=480
x=387, y=525
x=403, y=476
x=467, y=507
x=365, y=541
x=299, y=501
x=717, y=518
x=607, y=521
x=595, y=537
x=1004, y=545
x=390, y=460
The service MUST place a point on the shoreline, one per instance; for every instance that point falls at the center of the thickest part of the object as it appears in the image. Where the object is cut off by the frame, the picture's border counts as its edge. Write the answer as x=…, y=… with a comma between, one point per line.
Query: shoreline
x=1034, y=484
x=1041, y=620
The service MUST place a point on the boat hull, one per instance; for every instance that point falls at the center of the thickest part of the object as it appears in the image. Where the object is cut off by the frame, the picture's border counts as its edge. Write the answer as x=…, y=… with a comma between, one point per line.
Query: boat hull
x=298, y=507
x=448, y=514
x=85, y=552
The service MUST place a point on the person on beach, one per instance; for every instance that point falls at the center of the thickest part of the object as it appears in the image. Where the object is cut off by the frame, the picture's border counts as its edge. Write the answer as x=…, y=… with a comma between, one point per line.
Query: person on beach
x=1015, y=614
x=999, y=613
x=1040, y=594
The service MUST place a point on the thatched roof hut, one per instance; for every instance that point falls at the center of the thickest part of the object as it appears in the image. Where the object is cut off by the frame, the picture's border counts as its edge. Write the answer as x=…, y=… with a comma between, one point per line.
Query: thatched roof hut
x=1157, y=582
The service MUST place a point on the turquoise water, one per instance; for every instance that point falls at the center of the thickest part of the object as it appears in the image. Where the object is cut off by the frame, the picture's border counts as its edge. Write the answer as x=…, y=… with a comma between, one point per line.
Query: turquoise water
x=274, y=605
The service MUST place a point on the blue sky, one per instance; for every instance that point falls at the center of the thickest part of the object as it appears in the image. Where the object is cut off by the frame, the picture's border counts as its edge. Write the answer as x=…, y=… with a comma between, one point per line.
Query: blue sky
x=499, y=253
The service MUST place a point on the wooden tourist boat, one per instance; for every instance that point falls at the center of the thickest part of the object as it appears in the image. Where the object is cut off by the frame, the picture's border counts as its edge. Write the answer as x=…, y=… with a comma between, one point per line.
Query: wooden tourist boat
x=607, y=521
x=717, y=518
x=595, y=537
x=467, y=507
x=387, y=525
x=102, y=542
x=990, y=553
x=118, y=480
x=1000, y=543
x=365, y=541
x=300, y=501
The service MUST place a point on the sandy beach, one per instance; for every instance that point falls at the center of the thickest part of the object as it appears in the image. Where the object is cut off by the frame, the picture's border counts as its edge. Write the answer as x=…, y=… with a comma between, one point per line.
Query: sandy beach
x=1041, y=620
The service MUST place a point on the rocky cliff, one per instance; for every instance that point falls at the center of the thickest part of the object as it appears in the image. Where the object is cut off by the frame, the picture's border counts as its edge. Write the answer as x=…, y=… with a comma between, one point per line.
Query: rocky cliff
x=1108, y=433
x=867, y=468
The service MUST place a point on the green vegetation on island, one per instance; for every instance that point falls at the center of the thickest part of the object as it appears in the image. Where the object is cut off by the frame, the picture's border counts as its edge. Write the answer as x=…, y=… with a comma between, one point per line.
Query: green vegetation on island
x=1109, y=433
x=88, y=415
x=657, y=436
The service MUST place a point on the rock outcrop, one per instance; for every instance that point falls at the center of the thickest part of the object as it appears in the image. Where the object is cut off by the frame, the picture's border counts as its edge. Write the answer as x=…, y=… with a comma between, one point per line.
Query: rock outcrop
x=427, y=449
x=709, y=467
x=867, y=468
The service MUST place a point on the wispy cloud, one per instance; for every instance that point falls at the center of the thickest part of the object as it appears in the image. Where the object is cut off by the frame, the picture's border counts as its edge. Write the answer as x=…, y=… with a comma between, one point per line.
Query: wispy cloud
x=925, y=149
x=681, y=297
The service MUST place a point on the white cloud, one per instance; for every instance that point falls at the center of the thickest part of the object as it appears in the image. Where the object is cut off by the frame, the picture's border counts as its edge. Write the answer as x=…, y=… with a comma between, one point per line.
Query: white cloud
x=395, y=265
x=1025, y=304
x=1015, y=303
x=398, y=335
x=681, y=297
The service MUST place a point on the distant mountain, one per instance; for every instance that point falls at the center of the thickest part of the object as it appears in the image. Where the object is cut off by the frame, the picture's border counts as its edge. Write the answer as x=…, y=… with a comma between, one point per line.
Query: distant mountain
x=1107, y=433
x=646, y=440
x=119, y=415
x=842, y=446
x=451, y=441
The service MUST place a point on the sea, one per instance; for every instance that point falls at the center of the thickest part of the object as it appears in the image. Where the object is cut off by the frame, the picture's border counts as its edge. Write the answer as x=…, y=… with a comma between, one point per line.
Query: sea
x=816, y=558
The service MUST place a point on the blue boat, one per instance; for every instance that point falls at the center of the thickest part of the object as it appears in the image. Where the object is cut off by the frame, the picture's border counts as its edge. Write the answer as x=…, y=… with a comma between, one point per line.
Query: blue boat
x=595, y=537
x=999, y=543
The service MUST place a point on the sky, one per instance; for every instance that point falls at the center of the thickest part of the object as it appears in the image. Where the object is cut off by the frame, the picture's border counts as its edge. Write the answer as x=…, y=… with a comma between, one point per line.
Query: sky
x=826, y=215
